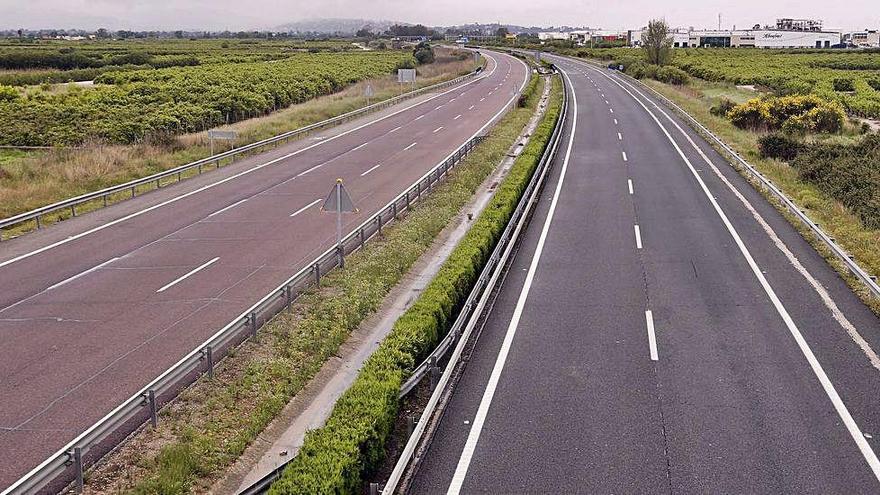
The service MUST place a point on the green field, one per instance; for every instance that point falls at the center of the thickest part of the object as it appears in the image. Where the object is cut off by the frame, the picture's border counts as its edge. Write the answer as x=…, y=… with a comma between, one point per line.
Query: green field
x=145, y=89
x=848, y=77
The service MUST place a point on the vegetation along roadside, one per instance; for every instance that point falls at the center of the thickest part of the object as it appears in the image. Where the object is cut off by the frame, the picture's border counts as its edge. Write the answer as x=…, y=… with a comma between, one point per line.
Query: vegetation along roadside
x=211, y=423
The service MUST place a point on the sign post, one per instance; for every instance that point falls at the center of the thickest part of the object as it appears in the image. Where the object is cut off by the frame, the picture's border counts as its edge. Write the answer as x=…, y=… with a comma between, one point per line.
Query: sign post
x=224, y=135
x=406, y=76
x=339, y=201
x=368, y=92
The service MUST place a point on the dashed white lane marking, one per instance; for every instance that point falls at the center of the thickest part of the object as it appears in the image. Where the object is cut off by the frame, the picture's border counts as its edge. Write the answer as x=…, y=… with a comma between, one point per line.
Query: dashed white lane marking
x=467, y=453
x=638, y=232
x=619, y=136
x=187, y=275
x=629, y=183
x=438, y=107
x=624, y=155
x=410, y=146
x=652, y=337
x=233, y=205
x=374, y=167
x=611, y=110
x=451, y=100
x=395, y=129
x=457, y=117
x=481, y=99
x=359, y=146
x=306, y=207
x=827, y=386
x=90, y=270
x=471, y=107
x=615, y=121
x=437, y=130
x=419, y=117
x=606, y=102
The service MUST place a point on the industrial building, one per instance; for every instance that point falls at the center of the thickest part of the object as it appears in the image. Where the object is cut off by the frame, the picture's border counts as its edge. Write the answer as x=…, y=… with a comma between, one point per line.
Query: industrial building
x=869, y=38
x=787, y=33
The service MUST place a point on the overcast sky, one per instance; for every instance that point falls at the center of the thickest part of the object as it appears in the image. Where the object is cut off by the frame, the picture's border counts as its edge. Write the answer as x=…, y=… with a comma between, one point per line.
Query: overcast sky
x=265, y=14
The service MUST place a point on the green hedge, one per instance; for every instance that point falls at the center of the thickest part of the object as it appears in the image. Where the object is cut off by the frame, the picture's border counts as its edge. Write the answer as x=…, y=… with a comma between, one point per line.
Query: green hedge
x=528, y=92
x=335, y=458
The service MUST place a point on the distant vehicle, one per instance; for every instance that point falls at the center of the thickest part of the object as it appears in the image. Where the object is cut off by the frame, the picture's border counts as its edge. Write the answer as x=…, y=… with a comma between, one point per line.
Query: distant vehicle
x=462, y=40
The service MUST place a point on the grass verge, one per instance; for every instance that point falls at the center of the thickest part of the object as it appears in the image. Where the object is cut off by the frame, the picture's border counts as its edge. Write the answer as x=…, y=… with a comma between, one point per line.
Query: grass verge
x=840, y=223
x=29, y=180
x=336, y=457
x=211, y=423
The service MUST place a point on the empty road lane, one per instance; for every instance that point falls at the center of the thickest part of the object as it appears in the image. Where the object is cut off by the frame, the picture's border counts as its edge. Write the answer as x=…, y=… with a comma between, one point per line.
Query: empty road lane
x=94, y=308
x=662, y=330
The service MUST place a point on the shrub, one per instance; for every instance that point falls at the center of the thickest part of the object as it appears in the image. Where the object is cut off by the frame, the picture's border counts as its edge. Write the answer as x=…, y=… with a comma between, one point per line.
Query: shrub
x=843, y=84
x=722, y=108
x=8, y=93
x=780, y=146
x=672, y=75
x=794, y=113
x=753, y=114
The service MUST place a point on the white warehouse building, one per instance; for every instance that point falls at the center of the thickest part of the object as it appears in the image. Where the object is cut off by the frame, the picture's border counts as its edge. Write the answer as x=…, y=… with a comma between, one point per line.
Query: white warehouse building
x=788, y=33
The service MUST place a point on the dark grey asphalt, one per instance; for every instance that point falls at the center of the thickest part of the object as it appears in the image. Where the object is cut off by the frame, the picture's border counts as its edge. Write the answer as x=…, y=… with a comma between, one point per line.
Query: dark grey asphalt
x=730, y=406
x=80, y=336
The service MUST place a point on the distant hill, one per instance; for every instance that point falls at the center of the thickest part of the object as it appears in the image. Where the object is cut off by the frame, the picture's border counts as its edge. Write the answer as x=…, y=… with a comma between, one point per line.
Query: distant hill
x=335, y=26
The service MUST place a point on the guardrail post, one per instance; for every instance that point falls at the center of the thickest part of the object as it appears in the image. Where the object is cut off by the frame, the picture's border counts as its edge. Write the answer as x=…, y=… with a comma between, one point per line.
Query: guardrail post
x=154, y=409
x=418, y=191
x=73, y=210
x=362, y=236
x=253, y=323
x=105, y=201
x=76, y=458
x=340, y=251
x=410, y=424
x=209, y=358
x=374, y=488
x=132, y=191
x=318, y=274
x=434, y=370
x=289, y=293
x=379, y=223
x=407, y=200
x=394, y=209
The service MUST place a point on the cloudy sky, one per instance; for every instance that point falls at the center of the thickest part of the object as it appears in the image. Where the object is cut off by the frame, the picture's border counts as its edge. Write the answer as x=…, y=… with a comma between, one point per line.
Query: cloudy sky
x=263, y=14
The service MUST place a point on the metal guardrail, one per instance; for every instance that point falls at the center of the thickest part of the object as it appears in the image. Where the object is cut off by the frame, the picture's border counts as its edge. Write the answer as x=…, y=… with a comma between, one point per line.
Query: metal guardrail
x=71, y=204
x=869, y=281
x=145, y=403
x=476, y=302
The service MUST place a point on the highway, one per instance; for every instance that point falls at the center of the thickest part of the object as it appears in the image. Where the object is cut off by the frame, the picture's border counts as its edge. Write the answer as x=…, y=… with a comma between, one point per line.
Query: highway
x=661, y=329
x=95, y=307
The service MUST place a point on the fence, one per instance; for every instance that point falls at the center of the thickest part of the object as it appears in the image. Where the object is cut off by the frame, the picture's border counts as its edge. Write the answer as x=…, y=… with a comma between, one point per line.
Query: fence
x=101, y=197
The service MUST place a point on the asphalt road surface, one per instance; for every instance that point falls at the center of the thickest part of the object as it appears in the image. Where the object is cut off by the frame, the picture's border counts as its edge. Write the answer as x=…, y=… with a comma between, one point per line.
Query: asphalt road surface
x=662, y=329
x=94, y=308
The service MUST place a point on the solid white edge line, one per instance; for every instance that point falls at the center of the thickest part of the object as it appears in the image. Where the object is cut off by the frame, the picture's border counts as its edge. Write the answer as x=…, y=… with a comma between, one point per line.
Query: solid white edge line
x=90, y=270
x=187, y=275
x=480, y=418
x=240, y=174
x=638, y=232
x=828, y=387
x=629, y=183
x=652, y=337
x=313, y=203
x=233, y=205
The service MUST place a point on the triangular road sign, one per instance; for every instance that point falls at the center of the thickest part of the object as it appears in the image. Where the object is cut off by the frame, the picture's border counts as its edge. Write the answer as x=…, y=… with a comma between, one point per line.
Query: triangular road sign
x=339, y=200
